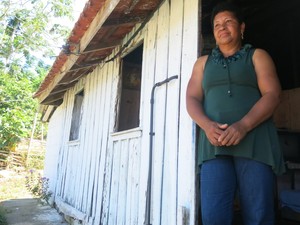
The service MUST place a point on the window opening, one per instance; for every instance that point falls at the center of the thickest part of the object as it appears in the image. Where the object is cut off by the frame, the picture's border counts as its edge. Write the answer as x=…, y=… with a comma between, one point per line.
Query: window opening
x=76, y=116
x=129, y=108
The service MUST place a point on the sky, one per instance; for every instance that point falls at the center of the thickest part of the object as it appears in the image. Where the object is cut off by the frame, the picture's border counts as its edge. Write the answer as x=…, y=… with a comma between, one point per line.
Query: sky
x=78, y=7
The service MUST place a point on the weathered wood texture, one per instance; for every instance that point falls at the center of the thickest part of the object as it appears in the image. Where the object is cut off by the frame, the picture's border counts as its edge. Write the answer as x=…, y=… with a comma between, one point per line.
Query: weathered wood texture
x=103, y=175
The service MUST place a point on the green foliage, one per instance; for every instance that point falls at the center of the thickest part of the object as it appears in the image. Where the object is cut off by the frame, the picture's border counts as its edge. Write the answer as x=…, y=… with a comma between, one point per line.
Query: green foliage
x=30, y=29
x=29, y=33
x=17, y=108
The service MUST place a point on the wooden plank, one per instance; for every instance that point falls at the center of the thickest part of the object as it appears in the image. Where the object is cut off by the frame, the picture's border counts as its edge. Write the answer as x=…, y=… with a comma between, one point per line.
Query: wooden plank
x=77, y=161
x=108, y=158
x=84, y=146
x=98, y=135
x=93, y=139
x=59, y=177
x=186, y=154
x=59, y=186
x=115, y=184
x=103, y=133
x=113, y=77
x=58, y=165
x=77, y=169
x=69, y=210
x=69, y=194
x=66, y=162
x=127, y=134
x=54, y=141
x=161, y=71
x=132, y=202
x=67, y=152
x=90, y=147
x=100, y=46
x=123, y=183
x=106, y=188
x=64, y=156
x=183, y=216
x=89, y=144
x=169, y=191
x=72, y=146
x=148, y=68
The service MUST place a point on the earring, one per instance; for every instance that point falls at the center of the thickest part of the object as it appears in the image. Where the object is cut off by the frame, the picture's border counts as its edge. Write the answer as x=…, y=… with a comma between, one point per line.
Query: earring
x=242, y=35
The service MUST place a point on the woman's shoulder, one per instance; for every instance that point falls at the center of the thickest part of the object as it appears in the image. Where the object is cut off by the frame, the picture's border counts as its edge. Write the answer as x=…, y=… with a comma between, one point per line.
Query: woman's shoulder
x=260, y=55
x=199, y=65
x=260, y=51
x=202, y=60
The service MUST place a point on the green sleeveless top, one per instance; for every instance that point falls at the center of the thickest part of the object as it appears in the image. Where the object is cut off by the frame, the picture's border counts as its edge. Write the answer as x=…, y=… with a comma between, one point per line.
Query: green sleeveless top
x=230, y=90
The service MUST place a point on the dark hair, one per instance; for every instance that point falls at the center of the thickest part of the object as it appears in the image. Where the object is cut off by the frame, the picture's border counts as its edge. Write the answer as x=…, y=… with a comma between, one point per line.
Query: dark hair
x=227, y=6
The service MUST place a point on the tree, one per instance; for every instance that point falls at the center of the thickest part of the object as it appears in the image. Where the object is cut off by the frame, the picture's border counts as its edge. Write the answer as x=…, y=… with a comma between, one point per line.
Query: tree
x=29, y=31
x=17, y=108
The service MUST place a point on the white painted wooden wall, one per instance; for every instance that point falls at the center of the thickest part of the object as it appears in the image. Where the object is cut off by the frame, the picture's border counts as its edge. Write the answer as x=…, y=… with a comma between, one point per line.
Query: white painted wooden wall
x=54, y=141
x=102, y=178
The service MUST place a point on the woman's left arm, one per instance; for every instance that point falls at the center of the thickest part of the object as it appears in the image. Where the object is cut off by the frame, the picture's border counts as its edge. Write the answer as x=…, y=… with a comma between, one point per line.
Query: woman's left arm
x=270, y=89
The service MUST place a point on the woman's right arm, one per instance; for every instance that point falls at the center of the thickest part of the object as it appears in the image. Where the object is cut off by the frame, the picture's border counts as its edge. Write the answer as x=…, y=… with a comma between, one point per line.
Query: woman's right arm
x=194, y=100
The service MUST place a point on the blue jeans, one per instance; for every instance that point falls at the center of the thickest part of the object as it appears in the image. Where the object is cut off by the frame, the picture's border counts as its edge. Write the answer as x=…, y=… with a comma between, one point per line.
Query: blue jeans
x=224, y=177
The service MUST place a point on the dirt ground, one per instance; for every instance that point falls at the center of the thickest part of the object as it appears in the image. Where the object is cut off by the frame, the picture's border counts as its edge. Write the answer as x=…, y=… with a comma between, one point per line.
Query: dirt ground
x=20, y=206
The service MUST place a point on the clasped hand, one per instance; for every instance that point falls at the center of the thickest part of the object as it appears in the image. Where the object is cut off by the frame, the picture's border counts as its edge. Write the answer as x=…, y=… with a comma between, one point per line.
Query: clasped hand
x=224, y=134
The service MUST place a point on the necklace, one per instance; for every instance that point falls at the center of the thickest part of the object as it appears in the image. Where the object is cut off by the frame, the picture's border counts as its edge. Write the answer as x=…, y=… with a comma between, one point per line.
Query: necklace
x=218, y=57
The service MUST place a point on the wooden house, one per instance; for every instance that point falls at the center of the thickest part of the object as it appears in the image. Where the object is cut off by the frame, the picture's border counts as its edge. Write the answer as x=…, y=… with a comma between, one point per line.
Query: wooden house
x=121, y=148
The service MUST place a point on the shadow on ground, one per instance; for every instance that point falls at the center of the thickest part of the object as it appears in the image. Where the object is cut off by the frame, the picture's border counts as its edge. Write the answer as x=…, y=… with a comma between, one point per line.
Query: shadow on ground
x=30, y=211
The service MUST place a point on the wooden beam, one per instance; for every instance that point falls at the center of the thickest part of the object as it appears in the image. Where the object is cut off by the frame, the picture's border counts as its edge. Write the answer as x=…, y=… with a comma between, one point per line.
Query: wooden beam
x=100, y=46
x=127, y=19
x=86, y=65
x=47, y=111
x=56, y=99
x=59, y=89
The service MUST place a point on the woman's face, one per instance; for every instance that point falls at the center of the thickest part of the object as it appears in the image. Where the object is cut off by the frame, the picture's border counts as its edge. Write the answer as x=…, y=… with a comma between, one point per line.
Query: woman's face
x=227, y=29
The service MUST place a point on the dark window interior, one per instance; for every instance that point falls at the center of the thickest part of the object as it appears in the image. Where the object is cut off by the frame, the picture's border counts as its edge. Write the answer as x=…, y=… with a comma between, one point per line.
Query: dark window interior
x=131, y=90
x=76, y=116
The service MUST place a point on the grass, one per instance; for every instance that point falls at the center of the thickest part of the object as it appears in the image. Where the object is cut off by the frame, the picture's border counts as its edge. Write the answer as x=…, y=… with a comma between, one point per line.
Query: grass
x=12, y=186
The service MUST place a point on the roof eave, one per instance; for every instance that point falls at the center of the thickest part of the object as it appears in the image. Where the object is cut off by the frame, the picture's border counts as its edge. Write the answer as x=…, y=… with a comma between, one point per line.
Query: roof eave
x=52, y=79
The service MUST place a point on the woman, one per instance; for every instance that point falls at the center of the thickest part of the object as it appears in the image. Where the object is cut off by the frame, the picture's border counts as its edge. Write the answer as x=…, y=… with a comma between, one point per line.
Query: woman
x=231, y=95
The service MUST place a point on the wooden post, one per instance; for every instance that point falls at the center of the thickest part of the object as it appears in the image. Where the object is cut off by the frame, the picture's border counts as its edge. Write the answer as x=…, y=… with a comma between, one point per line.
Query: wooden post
x=31, y=137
